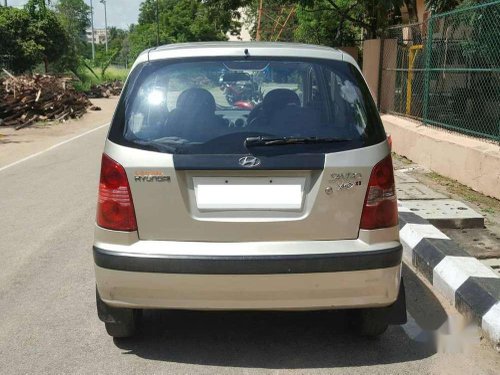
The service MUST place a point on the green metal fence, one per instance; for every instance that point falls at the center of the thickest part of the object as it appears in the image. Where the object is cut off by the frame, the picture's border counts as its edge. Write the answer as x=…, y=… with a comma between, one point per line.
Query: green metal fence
x=446, y=72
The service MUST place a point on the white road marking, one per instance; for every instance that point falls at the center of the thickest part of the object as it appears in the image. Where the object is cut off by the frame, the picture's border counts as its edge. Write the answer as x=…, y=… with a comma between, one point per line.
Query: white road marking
x=53, y=147
x=452, y=272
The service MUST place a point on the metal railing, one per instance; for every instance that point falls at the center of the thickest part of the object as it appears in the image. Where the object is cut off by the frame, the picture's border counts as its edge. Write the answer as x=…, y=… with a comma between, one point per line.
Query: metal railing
x=446, y=72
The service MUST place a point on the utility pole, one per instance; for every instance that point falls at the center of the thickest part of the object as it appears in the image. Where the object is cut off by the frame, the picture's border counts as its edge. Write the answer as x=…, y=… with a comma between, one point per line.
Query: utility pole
x=105, y=23
x=5, y=2
x=157, y=23
x=259, y=20
x=92, y=25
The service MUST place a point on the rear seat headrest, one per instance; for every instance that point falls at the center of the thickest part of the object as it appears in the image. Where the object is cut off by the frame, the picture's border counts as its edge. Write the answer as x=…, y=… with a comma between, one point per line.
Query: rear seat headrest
x=279, y=98
x=196, y=100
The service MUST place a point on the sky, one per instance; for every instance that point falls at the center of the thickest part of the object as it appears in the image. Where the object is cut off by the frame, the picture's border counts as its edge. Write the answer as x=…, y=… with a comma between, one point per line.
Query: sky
x=121, y=13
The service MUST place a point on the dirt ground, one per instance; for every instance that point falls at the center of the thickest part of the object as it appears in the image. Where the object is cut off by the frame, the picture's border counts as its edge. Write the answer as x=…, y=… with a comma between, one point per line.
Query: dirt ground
x=18, y=144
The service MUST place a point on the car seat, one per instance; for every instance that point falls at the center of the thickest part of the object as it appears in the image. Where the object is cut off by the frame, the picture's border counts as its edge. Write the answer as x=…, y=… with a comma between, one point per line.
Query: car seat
x=194, y=117
x=274, y=100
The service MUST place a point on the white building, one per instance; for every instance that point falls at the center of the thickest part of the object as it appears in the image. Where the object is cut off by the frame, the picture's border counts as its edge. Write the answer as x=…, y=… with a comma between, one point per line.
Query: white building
x=245, y=33
x=99, y=36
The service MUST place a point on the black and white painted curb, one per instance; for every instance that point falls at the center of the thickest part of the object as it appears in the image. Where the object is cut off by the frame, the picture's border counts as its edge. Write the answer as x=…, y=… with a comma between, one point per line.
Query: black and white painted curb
x=472, y=287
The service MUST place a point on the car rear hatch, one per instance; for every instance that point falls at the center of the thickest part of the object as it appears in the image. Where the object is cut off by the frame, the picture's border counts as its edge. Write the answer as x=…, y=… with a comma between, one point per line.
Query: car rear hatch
x=192, y=204
x=293, y=165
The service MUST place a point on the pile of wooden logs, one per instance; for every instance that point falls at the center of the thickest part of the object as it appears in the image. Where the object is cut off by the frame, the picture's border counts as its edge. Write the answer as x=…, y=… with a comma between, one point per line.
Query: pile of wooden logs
x=105, y=90
x=25, y=100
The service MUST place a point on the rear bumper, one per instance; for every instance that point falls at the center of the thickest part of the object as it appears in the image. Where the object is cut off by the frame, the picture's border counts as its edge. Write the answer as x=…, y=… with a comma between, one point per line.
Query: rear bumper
x=251, y=265
x=279, y=282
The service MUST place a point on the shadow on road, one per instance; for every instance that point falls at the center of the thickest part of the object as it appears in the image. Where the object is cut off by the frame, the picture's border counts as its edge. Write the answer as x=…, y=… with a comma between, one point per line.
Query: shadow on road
x=6, y=139
x=282, y=340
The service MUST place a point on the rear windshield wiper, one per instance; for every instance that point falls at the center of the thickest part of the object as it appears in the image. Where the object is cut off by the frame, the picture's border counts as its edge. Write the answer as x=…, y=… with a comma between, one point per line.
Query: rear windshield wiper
x=163, y=145
x=279, y=141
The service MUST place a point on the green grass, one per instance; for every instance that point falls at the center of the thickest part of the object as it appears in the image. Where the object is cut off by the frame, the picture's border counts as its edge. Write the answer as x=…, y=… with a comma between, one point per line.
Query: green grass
x=114, y=73
x=88, y=79
x=488, y=204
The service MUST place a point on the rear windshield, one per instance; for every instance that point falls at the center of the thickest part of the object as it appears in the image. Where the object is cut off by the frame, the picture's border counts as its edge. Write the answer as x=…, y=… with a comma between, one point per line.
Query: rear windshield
x=214, y=106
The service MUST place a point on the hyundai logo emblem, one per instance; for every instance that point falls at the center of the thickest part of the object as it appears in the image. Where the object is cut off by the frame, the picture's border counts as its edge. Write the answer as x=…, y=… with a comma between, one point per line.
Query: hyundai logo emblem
x=249, y=161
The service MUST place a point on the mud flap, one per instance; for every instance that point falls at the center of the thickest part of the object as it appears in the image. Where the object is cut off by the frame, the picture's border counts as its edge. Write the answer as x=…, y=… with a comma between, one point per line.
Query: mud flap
x=109, y=314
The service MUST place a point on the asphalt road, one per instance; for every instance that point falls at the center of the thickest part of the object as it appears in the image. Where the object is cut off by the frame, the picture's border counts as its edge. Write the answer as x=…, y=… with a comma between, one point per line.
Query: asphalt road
x=49, y=324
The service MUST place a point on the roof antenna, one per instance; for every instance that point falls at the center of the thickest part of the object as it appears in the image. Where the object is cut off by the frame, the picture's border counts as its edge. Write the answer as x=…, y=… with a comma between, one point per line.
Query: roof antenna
x=247, y=54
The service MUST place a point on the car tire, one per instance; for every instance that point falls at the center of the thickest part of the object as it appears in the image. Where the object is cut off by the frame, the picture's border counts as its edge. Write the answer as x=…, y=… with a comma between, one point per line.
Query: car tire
x=119, y=322
x=370, y=323
x=121, y=329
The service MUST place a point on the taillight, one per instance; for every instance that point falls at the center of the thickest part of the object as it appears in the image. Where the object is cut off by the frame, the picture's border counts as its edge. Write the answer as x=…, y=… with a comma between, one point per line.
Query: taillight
x=115, y=209
x=381, y=208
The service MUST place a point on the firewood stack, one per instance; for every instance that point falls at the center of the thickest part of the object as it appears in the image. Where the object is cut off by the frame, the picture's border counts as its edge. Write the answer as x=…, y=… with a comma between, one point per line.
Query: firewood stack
x=25, y=100
x=105, y=90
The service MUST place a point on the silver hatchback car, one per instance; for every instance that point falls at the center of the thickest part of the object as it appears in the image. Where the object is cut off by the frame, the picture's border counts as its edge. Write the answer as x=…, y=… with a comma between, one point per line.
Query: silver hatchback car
x=247, y=176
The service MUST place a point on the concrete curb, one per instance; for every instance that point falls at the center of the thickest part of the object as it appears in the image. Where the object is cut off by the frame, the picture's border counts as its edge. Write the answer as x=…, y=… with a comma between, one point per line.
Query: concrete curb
x=472, y=287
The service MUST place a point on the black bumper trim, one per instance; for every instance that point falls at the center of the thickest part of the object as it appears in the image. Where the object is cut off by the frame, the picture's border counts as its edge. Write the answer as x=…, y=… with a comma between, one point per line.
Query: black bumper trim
x=224, y=265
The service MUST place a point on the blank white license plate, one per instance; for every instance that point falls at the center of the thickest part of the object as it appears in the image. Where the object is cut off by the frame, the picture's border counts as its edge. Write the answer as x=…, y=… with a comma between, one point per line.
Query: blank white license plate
x=254, y=193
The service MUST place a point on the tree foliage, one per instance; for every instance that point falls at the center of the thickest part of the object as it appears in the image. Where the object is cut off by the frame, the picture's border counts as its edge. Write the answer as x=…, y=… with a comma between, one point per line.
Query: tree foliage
x=370, y=15
x=314, y=25
x=47, y=31
x=31, y=35
x=442, y=5
x=179, y=21
x=119, y=41
x=275, y=10
x=74, y=16
x=18, y=46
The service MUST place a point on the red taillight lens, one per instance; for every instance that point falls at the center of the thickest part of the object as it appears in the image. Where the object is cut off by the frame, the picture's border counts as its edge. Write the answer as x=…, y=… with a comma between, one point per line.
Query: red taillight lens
x=381, y=208
x=115, y=209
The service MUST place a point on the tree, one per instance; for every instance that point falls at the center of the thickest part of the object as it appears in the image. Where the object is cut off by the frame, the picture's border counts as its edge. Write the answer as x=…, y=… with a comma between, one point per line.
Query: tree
x=141, y=37
x=36, y=7
x=323, y=27
x=370, y=15
x=118, y=41
x=31, y=35
x=47, y=31
x=442, y=5
x=180, y=21
x=17, y=42
x=275, y=10
x=74, y=16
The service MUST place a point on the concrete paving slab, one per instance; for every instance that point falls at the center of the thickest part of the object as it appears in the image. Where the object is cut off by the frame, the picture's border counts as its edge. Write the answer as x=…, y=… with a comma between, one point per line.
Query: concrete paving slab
x=446, y=213
x=416, y=190
x=403, y=178
x=479, y=242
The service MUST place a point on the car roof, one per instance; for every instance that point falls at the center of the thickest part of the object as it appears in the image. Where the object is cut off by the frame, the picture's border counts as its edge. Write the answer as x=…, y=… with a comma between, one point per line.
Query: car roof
x=223, y=49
